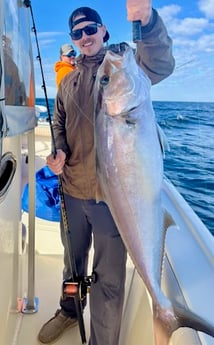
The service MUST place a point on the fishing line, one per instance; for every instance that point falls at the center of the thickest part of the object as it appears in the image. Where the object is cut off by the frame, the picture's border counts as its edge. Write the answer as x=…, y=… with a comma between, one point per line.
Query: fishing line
x=68, y=244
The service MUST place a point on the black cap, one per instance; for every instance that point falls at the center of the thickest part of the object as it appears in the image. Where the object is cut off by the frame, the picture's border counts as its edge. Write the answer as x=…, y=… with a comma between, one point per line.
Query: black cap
x=89, y=15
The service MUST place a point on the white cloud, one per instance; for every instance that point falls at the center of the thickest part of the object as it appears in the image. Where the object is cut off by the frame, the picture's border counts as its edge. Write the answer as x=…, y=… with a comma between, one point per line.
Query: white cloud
x=49, y=34
x=186, y=27
x=193, y=47
x=206, y=43
x=46, y=39
x=168, y=13
x=189, y=26
x=207, y=7
x=190, y=35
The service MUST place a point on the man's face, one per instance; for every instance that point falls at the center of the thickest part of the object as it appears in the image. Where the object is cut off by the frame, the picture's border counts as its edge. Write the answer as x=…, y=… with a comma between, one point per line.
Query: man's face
x=69, y=59
x=88, y=44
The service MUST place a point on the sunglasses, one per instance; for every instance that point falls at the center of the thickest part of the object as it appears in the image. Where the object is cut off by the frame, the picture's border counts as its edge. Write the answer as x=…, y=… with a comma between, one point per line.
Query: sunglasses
x=89, y=30
x=71, y=54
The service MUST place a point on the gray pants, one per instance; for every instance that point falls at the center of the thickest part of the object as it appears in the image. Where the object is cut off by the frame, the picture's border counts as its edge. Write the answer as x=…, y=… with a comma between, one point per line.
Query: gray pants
x=107, y=293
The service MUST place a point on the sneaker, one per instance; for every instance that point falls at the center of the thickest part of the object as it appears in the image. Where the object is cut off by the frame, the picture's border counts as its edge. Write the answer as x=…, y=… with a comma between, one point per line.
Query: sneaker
x=54, y=328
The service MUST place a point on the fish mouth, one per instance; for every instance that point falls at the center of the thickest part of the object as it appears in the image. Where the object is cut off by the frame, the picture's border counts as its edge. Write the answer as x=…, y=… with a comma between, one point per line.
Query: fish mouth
x=129, y=116
x=129, y=119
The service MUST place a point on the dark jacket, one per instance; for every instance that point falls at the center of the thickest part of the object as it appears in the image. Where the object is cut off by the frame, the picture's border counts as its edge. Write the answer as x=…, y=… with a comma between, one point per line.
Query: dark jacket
x=74, y=107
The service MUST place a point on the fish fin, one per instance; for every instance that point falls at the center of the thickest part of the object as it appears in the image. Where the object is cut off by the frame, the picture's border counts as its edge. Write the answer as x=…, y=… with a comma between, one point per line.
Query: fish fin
x=163, y=140
x=99, y=193
x=166, y=322
x=168, y=220
x=187, y=318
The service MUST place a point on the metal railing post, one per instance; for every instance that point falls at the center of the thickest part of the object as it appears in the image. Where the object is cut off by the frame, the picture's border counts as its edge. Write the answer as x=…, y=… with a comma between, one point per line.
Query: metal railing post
x=30, y=302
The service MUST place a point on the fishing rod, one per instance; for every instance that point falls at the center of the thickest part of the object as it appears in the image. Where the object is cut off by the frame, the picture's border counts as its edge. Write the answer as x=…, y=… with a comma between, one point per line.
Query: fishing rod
x=27, y=3
x=76, y=287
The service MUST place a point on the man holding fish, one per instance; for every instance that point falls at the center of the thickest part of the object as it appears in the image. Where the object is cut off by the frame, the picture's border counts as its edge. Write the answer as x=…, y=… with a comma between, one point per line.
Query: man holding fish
x=73, y=128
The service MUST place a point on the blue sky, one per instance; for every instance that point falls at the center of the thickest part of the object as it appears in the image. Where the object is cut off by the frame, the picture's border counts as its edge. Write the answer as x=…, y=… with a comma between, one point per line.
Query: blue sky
x=190, y=23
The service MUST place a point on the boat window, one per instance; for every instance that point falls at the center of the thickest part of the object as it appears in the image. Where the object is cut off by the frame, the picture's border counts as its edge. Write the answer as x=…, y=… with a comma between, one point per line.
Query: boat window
x=17, y=89
x=0, y=72
x=1, y=115
x=18, y=69
x=7, y=171
x=1, y=98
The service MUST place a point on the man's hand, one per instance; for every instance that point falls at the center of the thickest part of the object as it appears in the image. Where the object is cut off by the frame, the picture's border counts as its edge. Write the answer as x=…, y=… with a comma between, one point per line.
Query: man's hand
x=57, y=163
x=139, y=10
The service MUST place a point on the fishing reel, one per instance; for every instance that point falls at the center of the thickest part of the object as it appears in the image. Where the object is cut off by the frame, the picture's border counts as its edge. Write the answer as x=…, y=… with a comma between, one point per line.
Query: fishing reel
x=78, y=286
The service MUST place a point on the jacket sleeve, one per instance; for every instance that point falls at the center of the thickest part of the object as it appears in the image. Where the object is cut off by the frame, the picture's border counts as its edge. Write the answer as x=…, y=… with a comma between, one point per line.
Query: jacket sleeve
x=59, y=125
x=154, y=51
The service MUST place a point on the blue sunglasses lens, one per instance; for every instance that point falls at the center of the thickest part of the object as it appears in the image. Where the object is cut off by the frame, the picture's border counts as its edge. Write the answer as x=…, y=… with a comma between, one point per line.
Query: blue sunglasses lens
x=71, y=54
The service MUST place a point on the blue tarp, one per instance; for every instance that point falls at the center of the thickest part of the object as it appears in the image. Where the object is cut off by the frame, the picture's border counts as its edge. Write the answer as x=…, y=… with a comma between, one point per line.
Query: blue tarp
x=47, y=196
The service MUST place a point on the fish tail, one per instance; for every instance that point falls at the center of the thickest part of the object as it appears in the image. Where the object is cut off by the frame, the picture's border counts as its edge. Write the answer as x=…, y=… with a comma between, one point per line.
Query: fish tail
x=187, y=318
x=168, y=321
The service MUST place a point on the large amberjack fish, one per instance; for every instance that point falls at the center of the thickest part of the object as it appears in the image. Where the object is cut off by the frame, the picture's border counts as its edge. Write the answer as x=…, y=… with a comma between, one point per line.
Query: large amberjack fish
x=130, y=172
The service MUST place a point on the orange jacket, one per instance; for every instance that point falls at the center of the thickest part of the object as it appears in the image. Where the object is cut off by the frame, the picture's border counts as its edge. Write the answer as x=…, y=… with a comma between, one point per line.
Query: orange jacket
x=62, y=68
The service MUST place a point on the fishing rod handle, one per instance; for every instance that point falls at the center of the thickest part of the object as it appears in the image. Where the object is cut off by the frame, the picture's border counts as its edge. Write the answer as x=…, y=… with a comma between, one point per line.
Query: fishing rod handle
x=136, y=30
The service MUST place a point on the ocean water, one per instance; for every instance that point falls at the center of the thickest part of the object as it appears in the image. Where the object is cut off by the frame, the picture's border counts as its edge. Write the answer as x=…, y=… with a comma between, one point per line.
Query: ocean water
x=190, y=162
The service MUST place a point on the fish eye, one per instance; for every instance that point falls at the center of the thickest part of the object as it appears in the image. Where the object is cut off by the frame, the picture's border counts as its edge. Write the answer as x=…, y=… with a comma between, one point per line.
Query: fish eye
x=104, y=80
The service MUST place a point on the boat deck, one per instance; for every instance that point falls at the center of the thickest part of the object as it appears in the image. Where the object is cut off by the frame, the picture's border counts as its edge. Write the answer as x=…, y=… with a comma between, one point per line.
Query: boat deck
x=48, y=279
x=47, y=290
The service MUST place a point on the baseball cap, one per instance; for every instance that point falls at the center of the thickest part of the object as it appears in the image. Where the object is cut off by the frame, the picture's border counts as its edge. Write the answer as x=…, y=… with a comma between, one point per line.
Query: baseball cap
x=89, y=15
x=66, y=49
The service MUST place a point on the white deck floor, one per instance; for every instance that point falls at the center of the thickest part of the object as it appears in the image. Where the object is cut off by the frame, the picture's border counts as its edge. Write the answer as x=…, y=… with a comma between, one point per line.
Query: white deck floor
x=48, y=279
x=47, y=289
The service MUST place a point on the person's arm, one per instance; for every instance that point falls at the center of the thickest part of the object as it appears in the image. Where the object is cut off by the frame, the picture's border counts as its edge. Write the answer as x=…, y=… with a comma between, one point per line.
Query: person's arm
x=59, y=125
x=154, y=50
